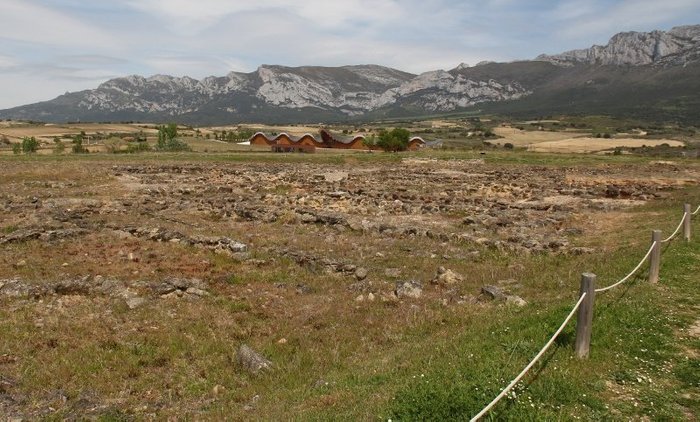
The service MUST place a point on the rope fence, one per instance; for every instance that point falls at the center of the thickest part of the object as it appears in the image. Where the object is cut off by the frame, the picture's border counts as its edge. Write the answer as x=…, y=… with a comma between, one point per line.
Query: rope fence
x=584, y=305
x=532, y=362
x=678, y=229
x=627, y=277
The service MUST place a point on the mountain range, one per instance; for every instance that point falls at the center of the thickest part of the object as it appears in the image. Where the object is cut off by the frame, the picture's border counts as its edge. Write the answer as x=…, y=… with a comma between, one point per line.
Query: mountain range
x=654, y=75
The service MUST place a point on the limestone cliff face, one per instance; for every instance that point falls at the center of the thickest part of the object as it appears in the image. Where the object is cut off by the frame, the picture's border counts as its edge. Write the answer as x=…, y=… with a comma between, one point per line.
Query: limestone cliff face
x=314, y=93
x=678, y=46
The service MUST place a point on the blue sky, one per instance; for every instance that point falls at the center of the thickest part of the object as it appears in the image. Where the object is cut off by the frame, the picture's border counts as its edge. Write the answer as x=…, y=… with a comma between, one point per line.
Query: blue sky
x=48, y=47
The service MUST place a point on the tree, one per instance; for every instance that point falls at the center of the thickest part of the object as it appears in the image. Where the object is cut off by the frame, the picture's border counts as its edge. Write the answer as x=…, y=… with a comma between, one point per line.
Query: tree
x=29, y=145
x=394, y=140
x=168, y=141
x=78, y=147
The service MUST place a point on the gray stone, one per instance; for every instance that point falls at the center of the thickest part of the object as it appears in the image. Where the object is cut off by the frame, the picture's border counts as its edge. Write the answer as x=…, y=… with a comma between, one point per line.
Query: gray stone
x=308, y=218
x=252, y=361
x=515, y=300
x=361, y=273
x=196, y=292
x=135, y=302
x=580, y=250
x=446, y=277
x=493, y=292
x=335, y=176
x=412, y=289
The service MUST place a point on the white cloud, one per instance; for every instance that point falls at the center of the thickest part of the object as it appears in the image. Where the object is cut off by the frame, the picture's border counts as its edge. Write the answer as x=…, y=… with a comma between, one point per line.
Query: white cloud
x=27, y=22
x=7, y=62
x=604, y=21
x=50, y=46
x=202, y=14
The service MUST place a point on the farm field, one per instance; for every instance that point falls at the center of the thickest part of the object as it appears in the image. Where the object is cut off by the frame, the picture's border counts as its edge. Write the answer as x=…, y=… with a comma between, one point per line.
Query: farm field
x=136, y=286
x=584, y=144
x=573, y=142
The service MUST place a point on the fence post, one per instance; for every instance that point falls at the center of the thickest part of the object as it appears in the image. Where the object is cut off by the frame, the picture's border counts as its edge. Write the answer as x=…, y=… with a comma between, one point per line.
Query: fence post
x=686, y=223
x=584, y=321
x=655, y=257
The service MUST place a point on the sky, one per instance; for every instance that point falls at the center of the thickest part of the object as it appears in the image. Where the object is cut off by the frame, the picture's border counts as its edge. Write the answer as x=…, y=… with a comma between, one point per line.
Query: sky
x=49, y=47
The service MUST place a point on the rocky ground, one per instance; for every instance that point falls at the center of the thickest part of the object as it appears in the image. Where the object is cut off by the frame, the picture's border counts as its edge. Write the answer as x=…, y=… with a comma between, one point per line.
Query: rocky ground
x=268, y=253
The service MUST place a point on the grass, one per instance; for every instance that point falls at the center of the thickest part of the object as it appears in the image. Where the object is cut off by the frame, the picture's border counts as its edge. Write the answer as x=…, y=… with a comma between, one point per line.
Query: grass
x=341, y=359
x=637, y=367
x=517, y=157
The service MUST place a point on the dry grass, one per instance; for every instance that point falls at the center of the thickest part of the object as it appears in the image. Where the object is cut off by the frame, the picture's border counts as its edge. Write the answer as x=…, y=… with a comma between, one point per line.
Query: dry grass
x=585, y=144
x=521, y=138
x=89, y=355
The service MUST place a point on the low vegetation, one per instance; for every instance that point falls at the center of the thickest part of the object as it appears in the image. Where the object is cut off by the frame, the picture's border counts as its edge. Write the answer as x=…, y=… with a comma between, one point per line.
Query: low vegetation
x=124, y=292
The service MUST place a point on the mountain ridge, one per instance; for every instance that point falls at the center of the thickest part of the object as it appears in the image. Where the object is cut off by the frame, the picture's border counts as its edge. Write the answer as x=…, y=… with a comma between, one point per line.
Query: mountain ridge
x=276, y=93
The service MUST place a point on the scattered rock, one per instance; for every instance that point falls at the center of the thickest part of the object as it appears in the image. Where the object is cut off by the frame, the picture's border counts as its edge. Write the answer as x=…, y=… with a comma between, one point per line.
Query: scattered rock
x=196, y=292
x=135, y=302
x=412, y=289
x=515, y=300
x=335, y=176
x=361, y=273
x=389, y=297
x=392, y=272
x=580, y=250
x=493, y=292
x=446, y=277
x=43, y=234
x=303, y=289
x=252, y=403
x=214, y=243
x=252, y=361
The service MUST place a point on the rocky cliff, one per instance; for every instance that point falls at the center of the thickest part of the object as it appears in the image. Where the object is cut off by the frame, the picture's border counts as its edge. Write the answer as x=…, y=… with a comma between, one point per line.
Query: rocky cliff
x=595, y=79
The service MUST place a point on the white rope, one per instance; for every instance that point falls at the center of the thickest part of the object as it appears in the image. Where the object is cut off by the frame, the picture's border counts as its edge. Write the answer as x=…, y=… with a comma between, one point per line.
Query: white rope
x=529, y=365
x=632, y=272
x=677, y=230
x=697, y=210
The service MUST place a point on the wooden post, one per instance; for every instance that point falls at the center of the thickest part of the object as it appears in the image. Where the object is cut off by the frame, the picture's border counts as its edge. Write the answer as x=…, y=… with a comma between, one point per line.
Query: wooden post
x=584, y=321
x=686, y=223
x=655, y=257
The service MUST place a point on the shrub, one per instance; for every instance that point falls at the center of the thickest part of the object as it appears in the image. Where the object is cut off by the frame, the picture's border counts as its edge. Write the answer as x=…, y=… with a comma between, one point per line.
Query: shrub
x=606, y=135
x=16, y=148
x=78, y=147
x=135, y=147
x=508, y=145
x=394, y=140
x=5, y=140
x=29, y=145
x=168, y=141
